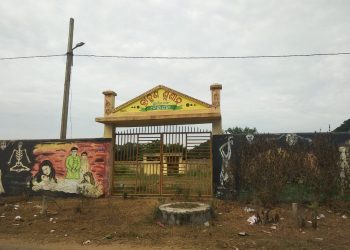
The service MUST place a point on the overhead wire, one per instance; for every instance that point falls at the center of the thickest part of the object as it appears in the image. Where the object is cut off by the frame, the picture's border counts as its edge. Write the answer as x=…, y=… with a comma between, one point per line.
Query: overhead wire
x=212, y=57
x=31, y=57
x=179, y=57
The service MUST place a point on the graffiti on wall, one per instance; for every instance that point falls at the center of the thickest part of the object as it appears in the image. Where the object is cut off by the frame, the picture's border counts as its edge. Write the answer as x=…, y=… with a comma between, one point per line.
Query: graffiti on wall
x=225, y=171
x=344, y=161
x=71, y=167
x=227, y=156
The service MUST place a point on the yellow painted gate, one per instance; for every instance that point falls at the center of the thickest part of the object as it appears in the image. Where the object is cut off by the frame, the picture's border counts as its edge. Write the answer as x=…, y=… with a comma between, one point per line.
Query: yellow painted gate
x=163, y=160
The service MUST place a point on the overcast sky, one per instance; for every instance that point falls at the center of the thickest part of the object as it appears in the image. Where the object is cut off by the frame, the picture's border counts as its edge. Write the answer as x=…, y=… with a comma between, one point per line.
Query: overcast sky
x=274, y=95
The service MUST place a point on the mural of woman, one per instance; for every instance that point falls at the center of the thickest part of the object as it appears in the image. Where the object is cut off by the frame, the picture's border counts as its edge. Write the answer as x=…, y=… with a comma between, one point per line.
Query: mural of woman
x=45, y=178
x=88, y=186
x=225, y=173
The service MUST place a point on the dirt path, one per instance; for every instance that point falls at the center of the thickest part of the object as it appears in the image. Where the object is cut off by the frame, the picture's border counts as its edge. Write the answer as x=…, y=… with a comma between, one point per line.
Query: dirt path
x=15, y=244
x=115, y=223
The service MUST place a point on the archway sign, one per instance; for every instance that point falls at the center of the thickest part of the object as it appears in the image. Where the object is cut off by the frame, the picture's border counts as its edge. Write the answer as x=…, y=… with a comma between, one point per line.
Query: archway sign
x=161, y=106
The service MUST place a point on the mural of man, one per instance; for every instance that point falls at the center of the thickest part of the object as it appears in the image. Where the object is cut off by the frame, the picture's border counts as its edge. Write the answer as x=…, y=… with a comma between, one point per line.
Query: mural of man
x=73, y=165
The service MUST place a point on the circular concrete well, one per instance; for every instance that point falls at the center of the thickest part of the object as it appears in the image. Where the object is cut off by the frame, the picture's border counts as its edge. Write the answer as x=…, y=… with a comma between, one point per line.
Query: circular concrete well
x=178, y=213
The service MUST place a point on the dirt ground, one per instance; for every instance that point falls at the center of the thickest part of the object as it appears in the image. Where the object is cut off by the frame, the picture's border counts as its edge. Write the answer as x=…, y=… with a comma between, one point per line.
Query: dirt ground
x=115, y=222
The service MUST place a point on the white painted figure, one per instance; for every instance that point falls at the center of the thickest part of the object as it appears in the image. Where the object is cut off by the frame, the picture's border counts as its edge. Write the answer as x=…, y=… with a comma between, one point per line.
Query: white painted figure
x=250, y=138
x=3, y=145
x=19, y=154
x=226, y=156
x=2, y=190
x=344, y=168
x=291, y=139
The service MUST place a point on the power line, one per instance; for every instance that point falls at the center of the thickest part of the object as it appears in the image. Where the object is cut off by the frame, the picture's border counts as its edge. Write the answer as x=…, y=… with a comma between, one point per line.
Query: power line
x=181, y=57
x=212, y=57
x=30, y=57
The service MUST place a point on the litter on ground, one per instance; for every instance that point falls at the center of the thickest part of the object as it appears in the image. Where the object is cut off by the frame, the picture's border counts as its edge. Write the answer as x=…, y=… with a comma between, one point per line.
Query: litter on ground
x=252, y=220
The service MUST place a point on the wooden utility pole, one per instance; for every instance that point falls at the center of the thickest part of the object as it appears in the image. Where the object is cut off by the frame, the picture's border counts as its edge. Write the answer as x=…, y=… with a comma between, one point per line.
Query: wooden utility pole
x=67, y=81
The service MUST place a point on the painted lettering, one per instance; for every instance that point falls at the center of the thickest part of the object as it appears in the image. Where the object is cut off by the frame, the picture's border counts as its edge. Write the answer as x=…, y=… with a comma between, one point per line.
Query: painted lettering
x=150, y=98
x=165, y=95
x=155, y=94
x=144, y=101
x=178, y=100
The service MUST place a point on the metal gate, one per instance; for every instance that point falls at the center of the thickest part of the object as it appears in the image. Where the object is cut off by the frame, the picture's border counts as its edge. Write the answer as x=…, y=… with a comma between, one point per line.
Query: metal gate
x=163, y=160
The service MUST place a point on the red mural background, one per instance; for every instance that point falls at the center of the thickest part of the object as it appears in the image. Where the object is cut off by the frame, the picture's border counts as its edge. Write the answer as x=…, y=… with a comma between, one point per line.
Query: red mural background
x=98, y=156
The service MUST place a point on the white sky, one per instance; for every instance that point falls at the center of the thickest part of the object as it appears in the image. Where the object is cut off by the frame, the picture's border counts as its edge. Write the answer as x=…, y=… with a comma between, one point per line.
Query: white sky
x=273, y=95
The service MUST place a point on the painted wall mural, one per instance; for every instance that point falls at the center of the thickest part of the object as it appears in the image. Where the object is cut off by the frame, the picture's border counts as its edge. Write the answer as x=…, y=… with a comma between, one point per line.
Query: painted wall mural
x=69, y=167
x=228, y=151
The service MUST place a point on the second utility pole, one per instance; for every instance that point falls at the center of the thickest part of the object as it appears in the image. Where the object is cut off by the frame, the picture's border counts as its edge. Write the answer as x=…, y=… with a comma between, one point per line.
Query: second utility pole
x=69, y=63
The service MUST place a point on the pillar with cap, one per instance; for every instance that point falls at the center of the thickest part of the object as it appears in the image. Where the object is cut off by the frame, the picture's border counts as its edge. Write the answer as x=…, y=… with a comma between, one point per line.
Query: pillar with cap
x=215, y=100
x=108, y=108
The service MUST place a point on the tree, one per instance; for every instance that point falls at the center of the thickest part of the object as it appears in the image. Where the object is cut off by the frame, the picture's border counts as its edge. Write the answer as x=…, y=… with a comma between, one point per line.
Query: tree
x=345, y=127
x=239, y=130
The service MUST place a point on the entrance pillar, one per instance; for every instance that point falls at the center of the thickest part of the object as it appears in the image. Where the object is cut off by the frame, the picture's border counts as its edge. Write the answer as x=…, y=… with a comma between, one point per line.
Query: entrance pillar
x=215, y=100
x=108, y=107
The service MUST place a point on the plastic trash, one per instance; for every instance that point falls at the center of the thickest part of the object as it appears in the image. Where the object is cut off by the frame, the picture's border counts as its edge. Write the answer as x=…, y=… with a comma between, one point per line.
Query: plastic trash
x=320, y=216
x=86, y=242
x=248, y=209
x=108, y=236
x=160, y=224
x=18, y=218
x=252, y=220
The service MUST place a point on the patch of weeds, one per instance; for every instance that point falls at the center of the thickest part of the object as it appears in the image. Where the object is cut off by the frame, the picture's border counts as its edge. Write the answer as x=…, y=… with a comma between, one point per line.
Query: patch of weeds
x=314, y=213
x=156, y=214
x=214, y=204
x=186, y=193
x=178, y=190
x=161, y=200
x=125, y=195
x=199, y=193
